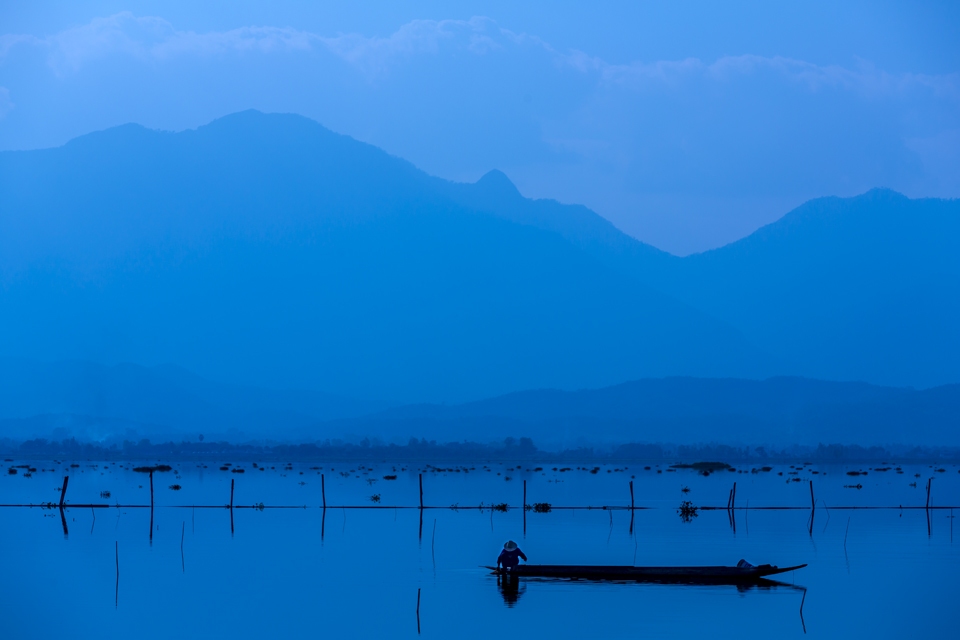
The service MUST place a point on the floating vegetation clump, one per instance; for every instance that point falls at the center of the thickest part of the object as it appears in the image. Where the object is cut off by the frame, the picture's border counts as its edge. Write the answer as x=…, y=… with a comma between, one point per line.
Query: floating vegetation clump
x=224, y=468
x=157, y=467
x=540, y=507
x=12, y=471
x=687, y=511
x=175, y=487
x=375, y=498
x=856, y=473
x=685, y=489
x=500, y=507
x=238, y=470
x=389, y=477
x=702, y=466
x=104, y=494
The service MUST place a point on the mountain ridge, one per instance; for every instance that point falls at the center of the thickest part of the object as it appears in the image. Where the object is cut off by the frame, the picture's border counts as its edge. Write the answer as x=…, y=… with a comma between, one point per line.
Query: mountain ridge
x=268, y=250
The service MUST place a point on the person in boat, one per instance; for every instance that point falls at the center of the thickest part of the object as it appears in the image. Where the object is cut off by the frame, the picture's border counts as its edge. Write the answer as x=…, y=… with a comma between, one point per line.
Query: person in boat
x=510, y=556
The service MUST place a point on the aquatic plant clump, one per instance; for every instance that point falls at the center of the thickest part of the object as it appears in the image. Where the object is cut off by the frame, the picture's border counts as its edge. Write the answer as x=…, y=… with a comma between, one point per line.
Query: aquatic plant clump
x=375, y=498
x=540, y=507
x=158, y=467
x=687, y=511
x=175, y=487
x=703, y=468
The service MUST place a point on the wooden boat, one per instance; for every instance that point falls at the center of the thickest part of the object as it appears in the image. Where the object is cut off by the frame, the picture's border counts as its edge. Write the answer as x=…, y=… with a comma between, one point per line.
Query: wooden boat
x=744, y=573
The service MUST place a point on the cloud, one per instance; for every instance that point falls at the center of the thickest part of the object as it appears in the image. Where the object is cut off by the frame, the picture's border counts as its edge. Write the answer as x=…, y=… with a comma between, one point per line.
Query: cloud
x=155, y=38
x=6, y=104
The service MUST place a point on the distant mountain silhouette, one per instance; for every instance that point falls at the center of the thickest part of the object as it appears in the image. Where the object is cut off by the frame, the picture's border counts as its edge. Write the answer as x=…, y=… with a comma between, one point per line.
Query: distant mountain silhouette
x=96, y=402
x=777, y=411
x=267, y=250
x=93, y=402
x=864, y=288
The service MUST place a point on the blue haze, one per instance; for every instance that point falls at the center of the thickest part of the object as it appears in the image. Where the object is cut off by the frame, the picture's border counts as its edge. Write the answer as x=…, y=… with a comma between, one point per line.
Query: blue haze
x=687, y=124
x=266, y=250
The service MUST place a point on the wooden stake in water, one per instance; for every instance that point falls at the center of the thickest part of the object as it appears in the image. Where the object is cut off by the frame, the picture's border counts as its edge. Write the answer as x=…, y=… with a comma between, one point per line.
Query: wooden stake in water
x=524, y=508
x=733, y=496
x=929, y=480
x=151, y=507
x=63, y=490
x=813, y=503
x=231, y=493
x=421, y=491
x=323, y=491
x=632, y=507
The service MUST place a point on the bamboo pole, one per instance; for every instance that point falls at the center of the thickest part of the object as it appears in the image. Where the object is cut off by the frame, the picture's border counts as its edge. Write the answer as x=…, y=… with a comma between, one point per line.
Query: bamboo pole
x=929, y=480
x=323, y=491
x=151, y=507
x=232, y=480
x=632, y=507
x=524, y=508
x=421, y=491
x=63, y=490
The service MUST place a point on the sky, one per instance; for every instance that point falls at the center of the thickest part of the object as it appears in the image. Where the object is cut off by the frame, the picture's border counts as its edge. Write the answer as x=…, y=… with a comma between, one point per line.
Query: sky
x=686, y=124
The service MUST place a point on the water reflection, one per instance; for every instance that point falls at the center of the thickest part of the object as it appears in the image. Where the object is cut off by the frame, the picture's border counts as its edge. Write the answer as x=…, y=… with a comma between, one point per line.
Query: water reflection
x=510, y=588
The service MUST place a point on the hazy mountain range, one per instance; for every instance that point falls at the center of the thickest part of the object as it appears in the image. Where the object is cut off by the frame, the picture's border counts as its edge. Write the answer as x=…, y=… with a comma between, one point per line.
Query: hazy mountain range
x=130, y=402
x=266, y=251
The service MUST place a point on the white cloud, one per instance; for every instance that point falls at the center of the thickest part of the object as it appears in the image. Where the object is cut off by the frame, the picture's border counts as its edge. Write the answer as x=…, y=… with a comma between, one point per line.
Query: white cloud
x=155, y=38
x=6, y=104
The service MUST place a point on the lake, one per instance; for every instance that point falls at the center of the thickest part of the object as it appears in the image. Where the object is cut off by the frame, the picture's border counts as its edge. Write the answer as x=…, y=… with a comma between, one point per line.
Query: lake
x=309, y=572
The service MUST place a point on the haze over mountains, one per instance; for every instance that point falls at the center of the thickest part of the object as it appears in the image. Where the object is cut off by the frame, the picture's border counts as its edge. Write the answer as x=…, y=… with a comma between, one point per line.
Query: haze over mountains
x=265, y=250
x=130, y=402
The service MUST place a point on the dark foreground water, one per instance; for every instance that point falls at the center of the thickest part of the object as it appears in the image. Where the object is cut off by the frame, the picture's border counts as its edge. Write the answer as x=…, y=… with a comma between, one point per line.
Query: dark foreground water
x=355, y=573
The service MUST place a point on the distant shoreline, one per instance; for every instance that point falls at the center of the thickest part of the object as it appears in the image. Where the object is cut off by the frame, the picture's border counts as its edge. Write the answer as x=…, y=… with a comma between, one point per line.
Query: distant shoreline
x=522, y=449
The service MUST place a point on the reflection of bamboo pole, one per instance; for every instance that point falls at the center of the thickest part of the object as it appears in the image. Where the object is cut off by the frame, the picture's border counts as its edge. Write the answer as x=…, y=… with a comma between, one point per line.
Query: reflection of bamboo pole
x=116, y=596
x=418, y=611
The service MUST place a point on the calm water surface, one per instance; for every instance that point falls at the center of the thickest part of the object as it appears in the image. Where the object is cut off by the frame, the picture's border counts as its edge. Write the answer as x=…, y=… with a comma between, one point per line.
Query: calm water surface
x=303, y=572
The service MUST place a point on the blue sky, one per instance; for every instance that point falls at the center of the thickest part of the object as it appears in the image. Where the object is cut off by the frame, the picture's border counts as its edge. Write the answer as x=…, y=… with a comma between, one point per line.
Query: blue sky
x=686, y=124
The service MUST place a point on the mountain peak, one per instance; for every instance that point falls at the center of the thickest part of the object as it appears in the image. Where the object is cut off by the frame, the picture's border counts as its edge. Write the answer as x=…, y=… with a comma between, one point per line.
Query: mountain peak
x=497, y=182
